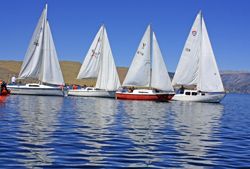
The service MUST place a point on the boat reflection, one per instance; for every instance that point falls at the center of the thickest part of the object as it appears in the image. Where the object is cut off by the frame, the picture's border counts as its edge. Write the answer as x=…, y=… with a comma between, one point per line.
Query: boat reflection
x=196, y=122
x=146, y=129
x=95, y=118
x=39, y=114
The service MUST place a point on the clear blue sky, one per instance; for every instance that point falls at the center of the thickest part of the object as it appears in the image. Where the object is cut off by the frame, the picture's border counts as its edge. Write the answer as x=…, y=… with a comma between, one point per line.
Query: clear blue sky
x=74, y=24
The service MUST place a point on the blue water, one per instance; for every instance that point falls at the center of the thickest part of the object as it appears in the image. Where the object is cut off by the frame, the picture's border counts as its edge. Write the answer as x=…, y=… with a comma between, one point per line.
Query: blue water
x=74, y=132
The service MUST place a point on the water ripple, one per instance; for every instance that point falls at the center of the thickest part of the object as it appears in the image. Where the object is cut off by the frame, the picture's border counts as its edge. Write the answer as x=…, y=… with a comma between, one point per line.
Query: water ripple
x=74, y=132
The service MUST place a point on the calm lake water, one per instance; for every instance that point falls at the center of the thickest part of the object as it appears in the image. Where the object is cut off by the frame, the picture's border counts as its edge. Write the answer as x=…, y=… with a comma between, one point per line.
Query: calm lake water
x=74, y=132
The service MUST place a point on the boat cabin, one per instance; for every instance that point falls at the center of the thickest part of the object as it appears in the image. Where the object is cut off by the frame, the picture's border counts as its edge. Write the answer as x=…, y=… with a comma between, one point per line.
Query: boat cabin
x=191, y=92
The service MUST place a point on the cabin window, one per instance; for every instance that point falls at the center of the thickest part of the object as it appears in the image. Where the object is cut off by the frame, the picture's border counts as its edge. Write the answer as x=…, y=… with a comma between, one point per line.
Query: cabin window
x=187, y=93
x=89, y=89
x=194, y=93
x=33, y=85
x=203, y=94
x=142, y=92
x=157, y=91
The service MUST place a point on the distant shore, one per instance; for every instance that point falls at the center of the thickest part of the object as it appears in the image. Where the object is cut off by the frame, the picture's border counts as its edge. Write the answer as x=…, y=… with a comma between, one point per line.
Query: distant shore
x=234, y=81
x=70, y=69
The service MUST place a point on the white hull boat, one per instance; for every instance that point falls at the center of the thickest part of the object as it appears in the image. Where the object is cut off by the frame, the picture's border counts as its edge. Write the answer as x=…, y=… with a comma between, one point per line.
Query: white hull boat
x=91, y=92
x=36, y=89
x=197, y=75
x=41, y=63
x=196, y=96
x=99, y=63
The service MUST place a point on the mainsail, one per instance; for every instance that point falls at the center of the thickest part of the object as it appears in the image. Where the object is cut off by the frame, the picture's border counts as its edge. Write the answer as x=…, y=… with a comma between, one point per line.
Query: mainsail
x=187, y=72
x=91, y=63
x=139, y=71
x=41, y=60
x=197, y=66
x=99, y=62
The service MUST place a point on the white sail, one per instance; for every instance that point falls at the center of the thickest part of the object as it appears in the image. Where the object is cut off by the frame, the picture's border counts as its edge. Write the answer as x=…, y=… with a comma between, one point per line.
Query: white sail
x=91, y=63
x=139, y=71
x=41, y=60
x=50, y=71
x=108, y=78
x=210, y=80
x=187, y=72
x=160, y=77
x=197, y=65
x=32, y=61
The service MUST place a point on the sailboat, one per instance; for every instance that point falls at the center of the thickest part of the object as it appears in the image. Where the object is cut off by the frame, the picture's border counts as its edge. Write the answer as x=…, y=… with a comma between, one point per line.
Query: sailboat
x=152, y=83
x=197, y=75
x=41, y=63
x=99, y=63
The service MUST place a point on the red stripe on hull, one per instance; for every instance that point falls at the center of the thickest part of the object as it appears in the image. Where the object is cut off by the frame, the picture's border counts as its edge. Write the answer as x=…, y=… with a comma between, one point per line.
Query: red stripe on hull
x=151, y=97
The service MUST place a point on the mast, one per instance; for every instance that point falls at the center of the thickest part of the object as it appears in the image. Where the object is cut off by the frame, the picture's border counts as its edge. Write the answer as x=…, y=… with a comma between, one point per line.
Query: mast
x=102, y=44
x=201, y=39
x=150, y=60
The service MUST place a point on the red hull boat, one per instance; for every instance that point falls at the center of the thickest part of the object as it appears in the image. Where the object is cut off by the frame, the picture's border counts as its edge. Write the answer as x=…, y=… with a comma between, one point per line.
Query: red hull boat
x=147, y=71
x=144, y=94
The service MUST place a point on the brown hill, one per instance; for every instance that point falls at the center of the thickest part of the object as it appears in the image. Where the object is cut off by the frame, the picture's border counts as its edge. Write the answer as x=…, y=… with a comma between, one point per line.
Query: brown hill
x=69, y=69
x=234, y=81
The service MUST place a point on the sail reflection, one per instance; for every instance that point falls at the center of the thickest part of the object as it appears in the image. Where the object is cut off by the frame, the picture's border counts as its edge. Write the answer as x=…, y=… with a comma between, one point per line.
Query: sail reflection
x=146, y=128
x=196, y=122
x=95, y=118
x=40, y=117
